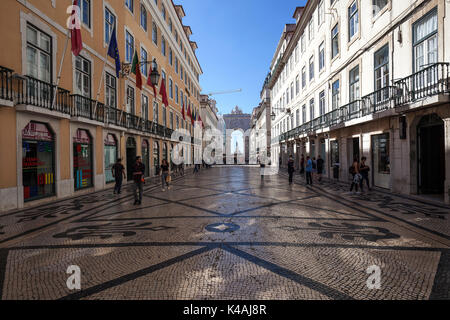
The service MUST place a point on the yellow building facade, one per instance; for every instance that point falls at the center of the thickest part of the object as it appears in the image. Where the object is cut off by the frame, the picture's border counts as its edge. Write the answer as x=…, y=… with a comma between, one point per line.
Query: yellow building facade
x=52, y=148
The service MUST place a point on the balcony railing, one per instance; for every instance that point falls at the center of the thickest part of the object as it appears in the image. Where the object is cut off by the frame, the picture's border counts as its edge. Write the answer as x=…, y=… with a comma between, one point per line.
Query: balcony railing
x=38, y=93
x=134, y=122
x=351, y=111
x=87, y=108
x=431, y=80
x=6, y=92
x=379, y=100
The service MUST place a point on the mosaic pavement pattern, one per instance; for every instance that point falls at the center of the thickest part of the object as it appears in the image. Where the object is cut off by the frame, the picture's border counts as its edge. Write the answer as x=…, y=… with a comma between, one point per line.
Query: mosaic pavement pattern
x=226, y=234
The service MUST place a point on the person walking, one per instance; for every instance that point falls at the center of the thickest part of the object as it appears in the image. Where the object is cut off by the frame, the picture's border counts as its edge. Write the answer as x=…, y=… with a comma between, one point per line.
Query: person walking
x=354, y=171
x=309, y=170
x=165, y=175
x=291, y=169
x=320, y=166
x=138, y=178
x=118, y=172
x=302, y=165
x=364, y=171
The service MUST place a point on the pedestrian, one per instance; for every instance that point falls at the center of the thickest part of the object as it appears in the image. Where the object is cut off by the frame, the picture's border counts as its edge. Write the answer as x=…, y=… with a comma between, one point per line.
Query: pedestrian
x=118, y=172
x=262, y=166
x=320, y=166
x=364, y=171
x=309, y=170
x=356, y=176
x=138, y=178
x=196, y=168
x=165, y=175
x=291, y=169
x=302, y=165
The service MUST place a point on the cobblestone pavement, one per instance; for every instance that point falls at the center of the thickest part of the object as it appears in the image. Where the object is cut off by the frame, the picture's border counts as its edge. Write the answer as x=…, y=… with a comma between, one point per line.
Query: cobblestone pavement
x=225, y=234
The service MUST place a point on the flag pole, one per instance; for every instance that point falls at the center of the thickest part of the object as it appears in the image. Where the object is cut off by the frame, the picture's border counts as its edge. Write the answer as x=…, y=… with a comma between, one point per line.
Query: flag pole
x=103, y=71
x=60, y=69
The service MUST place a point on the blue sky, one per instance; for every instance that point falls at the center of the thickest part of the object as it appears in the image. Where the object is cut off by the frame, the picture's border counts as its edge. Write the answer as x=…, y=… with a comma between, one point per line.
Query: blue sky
x=236, y=40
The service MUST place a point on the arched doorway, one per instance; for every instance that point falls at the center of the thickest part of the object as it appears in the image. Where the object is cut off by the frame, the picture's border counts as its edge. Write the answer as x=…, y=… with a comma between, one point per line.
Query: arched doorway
x=110, y=156
x=156, y=157
x=131, y=157
x=431, y=155
x=38, y=169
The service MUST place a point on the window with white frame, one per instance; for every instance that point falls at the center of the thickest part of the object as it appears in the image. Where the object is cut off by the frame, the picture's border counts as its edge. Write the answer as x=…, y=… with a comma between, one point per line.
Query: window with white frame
x=155, y=34
x=335, y=41
x=83, y=76
x=111, y=90
x=321, y=56
x=425, y=41
x=304, y=114
x=311, y=29
x=335, y=95
x=144, y=67
x=354, y=86
x=163, y=46
x=130, y=5
x=171, y=88
x=382, y=68
x=311, y=110
x=378, y=5
x=144, y=107
x=39, y=54
x=110, y=20
x=85, y=12
x=303, y=77
x=130, y=100
x=297, y=85
x=322, y=103
x=129, y=40
x=353, y=20
x=320, y=13
x=143, y=17
x=311, y=68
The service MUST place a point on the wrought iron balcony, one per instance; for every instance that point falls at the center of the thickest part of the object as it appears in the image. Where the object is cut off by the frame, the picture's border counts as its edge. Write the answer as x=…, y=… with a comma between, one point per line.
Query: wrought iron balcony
x=6, y=92
x=87, y=108
x=351, y=111
x=134, y=122
x=38, y=93
x=432, y=80
x=380, y=100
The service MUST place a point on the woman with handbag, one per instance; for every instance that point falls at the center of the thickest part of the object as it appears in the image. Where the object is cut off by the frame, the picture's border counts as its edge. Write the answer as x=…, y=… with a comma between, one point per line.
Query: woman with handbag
x=165, y=175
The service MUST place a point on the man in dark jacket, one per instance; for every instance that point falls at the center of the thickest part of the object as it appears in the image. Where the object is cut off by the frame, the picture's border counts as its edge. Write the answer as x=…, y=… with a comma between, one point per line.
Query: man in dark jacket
x=364, y=171
x=291, y=169
x=138, y=175
x=320, y=166
x=118, y=172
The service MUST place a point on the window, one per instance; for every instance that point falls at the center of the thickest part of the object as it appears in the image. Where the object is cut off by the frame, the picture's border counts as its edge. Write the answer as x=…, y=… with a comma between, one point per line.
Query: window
x=304, y=77
x=176, y=65
x=311, y=68
x=321, y=56
x=171, y=88
x=129, y=47
x=335, y=41
x=425, y=41
x=170, y=57
x=303, y=44
x=322, y=103
x=292, y=91
x=83, y=77
x=320, y=13
x=155, y=113
x=130, y=100
x=382, y=68
x=39, y=53
x=163, y=46
x=297, y=85
x=171, y=120
x=311, y=110
x=144, y=107
x=354, y=84
x=170, y=25
x=109, y=24
x=111, y=90
x=144, y=67
x=130, y=5
x=155, y=34
x=163, y=12
x=297, y=117
x=176, y=94
x=378, y=5
x=353, y=20
x=311, y=29
x=143, y=17
x=85, y=12
x=304, y=113
x=335, y=95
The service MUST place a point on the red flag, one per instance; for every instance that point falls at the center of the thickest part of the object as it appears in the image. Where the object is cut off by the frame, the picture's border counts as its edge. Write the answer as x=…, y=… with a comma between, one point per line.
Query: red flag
x=189, y=111
x=136, y=69
x=149, y=82
x=201, y=121
x=182, y=112
x=163, y=93
x=75, y=32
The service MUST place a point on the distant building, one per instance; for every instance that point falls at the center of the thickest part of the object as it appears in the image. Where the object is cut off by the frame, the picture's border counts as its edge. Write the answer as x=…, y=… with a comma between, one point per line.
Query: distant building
x=238, y=120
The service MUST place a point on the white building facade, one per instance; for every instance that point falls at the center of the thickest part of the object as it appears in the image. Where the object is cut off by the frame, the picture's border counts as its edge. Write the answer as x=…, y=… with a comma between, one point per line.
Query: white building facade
x=367, y=78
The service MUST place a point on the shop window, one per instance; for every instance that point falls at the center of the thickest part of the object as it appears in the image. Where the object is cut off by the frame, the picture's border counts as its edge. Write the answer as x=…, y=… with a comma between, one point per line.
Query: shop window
x=110, y=157
x=381, y=160
x=38, y=170
x=82, y=160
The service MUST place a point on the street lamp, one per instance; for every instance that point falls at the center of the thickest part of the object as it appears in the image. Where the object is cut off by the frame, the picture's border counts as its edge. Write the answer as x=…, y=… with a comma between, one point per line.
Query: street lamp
x=273, y=115
x=154, y=75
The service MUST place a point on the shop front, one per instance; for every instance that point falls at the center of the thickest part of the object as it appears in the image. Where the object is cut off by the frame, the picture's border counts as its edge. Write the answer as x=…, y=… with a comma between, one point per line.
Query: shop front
x=38, y=165
x=82, y=160
x=131, y=157
x=381, y=161
x=110, y=156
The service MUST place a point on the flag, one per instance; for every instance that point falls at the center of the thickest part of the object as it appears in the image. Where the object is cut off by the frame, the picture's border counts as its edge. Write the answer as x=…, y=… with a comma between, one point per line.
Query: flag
x=149, y=82
x=113, y=51
x=182, y=111
x=163, y=93
x=189, y=111
x=136, y=69
x=75, y=32
x=201, y=121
